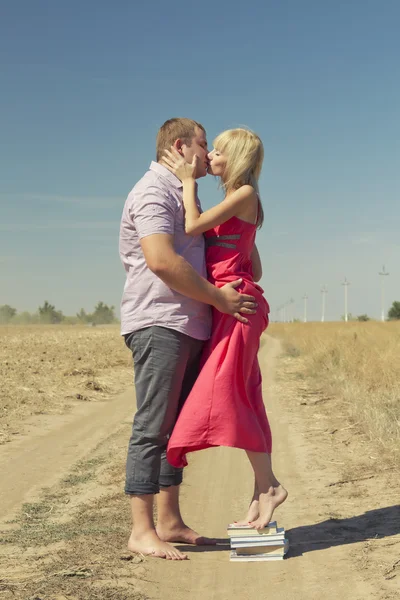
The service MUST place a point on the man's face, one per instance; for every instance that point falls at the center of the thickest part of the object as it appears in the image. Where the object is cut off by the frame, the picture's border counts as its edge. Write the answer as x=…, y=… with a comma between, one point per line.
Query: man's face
x=199, y=147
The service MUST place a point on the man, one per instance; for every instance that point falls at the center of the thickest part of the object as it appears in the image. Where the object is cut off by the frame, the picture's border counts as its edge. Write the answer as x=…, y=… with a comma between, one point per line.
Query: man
x=165, y=319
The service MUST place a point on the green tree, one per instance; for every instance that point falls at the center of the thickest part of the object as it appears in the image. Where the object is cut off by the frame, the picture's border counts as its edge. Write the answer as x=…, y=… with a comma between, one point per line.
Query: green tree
x=7, y=312
x=363, y=318
x=26, y=318
x=48, y=314
x=349, y=317
x=394, y=311
x=82, y=316
x=102, y=314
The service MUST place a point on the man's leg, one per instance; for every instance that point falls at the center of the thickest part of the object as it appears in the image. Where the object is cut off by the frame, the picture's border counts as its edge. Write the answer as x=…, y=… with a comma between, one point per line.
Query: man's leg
x=170, y=525
x=160, y=360
x=143, y=538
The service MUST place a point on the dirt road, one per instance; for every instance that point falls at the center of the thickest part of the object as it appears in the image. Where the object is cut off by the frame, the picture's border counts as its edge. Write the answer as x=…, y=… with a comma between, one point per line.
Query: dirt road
x=328, y=530
x=218, y=485
x=52, y=445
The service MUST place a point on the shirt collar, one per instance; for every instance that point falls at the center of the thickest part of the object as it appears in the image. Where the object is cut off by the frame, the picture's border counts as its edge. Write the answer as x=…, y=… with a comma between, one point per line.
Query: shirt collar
x=164, y=172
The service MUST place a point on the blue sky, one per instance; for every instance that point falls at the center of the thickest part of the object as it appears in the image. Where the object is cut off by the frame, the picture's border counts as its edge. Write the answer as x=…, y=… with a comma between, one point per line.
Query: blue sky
x=85, y=86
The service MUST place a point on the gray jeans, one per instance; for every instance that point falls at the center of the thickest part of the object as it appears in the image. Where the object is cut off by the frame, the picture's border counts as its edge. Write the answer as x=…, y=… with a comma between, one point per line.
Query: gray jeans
x=166, y=365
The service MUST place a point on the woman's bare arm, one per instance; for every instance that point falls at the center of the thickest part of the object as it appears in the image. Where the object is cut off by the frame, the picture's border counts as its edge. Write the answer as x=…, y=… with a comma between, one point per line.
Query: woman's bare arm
x=232, y=205
x=196, y=222
x=256, y=264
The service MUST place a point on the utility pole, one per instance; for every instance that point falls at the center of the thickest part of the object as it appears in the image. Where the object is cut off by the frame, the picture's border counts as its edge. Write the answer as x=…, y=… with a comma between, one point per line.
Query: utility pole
x=324, y=291
x=291, y=302
x=382, y=275
x=305, y=298
x=346, y=285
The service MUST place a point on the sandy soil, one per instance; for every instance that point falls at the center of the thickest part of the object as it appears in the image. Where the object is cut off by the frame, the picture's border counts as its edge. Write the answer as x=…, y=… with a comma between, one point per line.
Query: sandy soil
x=344, y=531
x=51, y=445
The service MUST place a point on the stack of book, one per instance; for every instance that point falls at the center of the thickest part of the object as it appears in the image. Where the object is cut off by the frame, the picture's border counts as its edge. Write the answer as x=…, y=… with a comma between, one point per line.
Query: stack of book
x=249, y=544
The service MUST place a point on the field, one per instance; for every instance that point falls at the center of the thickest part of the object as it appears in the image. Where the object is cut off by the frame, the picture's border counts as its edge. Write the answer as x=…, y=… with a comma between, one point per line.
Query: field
x=358, y=365
x=43, y=369
x=332, y=392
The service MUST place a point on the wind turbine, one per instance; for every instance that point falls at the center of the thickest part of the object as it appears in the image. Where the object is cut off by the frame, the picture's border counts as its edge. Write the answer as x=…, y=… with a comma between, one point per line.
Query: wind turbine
x=305, y=298
x=382, y=274
x=324, y=291
x=291, y=302
x=346, y=284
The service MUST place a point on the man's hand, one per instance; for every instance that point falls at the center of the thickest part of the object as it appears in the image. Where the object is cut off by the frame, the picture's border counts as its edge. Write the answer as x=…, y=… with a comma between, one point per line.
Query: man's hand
x=230, y=302
x=179, y=275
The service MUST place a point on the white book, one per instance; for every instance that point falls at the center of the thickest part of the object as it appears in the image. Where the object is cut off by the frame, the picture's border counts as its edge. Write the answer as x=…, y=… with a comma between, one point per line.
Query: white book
x=277, y=548
x=235, y=530
x=258, y=544
x=246, y=554
x=259, y=539
x=254, y=557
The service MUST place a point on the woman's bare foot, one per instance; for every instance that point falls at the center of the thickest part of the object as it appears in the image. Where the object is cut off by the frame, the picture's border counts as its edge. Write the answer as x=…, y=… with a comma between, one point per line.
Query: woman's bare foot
x=181, y=533
x=269, y=501
x=150, y=544
x=252, y=514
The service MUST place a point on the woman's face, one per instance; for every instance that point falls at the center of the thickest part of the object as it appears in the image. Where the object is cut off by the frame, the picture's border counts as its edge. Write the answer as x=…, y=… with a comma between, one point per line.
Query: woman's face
x=217, y=163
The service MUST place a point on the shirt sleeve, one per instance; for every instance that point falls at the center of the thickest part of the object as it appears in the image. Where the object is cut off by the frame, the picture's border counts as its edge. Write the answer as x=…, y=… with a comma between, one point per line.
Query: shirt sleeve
x=153, y=211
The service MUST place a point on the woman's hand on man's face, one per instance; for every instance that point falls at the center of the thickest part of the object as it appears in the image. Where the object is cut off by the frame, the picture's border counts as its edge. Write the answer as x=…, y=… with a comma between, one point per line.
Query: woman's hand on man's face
x=177, y=164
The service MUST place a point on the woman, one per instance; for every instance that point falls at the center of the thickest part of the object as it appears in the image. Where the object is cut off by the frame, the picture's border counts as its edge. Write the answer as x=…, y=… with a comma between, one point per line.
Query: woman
x=225, y=406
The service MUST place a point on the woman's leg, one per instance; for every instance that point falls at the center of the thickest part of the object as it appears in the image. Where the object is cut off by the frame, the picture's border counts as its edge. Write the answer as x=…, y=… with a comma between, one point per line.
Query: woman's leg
x=253, y=511
x=270, y=492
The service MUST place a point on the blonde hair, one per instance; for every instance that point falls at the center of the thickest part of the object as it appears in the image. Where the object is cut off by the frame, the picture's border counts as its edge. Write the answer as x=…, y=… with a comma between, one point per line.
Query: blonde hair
x=173, y=129
x=245, y=154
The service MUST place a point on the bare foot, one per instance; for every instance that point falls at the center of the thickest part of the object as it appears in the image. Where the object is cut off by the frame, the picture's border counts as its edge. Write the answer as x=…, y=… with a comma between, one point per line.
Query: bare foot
x=252, y=514
x=183, y=534
x=269, y=501
x=150, y=544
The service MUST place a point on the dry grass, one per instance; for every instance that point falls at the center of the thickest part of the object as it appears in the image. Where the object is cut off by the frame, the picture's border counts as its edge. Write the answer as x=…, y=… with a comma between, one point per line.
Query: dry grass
x=357, y=363
x=59, y=548
x=70, y=544
x=45, y=368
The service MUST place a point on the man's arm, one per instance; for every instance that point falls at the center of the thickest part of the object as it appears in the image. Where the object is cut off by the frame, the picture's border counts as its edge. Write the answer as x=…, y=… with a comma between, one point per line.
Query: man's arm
x=178, y=274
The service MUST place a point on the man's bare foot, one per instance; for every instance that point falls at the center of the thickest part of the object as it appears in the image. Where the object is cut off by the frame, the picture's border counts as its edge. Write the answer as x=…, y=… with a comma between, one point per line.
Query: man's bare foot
x=150, y=544
x=181, y=533
x=252, y=514
x=269, y=501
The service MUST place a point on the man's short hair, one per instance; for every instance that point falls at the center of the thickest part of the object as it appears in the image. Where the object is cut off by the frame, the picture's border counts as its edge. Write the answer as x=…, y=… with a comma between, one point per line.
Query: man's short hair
x=173, y=129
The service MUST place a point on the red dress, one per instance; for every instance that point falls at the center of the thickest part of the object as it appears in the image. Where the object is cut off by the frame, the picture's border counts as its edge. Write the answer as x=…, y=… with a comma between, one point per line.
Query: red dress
x=225, y=406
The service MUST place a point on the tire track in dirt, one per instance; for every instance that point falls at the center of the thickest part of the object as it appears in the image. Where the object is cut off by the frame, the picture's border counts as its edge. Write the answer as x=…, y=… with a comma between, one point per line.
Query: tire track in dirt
x=53, y=444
